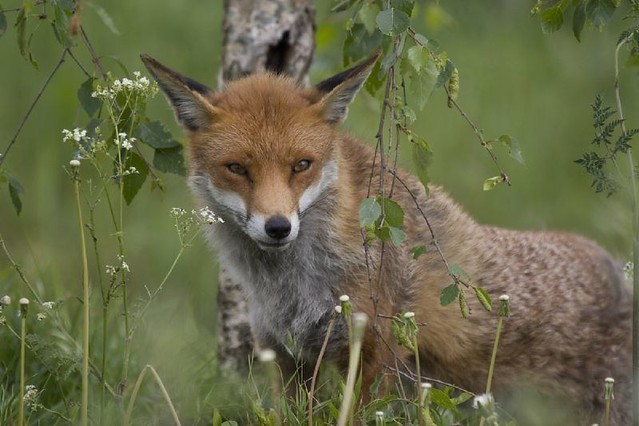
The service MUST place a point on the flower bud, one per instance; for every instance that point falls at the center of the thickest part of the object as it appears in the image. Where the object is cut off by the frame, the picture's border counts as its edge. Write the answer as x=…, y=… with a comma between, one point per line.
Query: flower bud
x=504, y=305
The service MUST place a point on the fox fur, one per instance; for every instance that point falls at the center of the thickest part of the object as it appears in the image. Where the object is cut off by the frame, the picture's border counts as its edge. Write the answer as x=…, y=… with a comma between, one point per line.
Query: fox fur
x=570, y=323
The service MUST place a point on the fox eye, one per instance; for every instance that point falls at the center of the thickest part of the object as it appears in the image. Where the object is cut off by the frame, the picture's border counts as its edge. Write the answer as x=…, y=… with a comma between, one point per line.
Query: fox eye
x=301, y=166
x=237, y=169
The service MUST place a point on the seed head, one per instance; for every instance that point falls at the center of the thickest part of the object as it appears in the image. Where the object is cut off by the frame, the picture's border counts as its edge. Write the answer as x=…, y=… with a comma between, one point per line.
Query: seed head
x=24, y=306
x=74, y=163
x=5, y=300
x=504, y=305
x=267, y=355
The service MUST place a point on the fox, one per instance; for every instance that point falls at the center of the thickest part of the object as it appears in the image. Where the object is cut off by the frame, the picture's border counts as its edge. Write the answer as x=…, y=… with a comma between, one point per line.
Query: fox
x=269, y=157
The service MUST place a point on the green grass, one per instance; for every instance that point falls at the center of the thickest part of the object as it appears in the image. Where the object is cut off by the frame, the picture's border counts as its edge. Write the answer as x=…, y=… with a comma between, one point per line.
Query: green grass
x=514, y=80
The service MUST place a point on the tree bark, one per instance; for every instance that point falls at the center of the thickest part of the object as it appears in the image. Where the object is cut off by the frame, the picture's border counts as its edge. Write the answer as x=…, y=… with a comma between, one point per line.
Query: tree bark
x=259, y=35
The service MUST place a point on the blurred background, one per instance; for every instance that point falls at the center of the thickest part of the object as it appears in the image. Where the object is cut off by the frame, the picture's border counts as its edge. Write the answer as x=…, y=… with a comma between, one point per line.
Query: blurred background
x=513, y=80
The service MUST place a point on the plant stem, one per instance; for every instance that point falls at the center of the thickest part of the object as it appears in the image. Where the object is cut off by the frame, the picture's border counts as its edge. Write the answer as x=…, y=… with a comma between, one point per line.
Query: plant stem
x=23, y=335
x=311, y=394
x=418, y=384
x=359, y=323
x=493, y=357
x=635, y=245
x=85, y=306
x=136, y=389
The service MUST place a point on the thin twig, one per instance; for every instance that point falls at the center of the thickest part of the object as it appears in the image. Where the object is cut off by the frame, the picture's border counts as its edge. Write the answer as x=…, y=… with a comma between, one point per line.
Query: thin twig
x=476, y=129
x=33, y=104
x=77, y=62
x=95, y=58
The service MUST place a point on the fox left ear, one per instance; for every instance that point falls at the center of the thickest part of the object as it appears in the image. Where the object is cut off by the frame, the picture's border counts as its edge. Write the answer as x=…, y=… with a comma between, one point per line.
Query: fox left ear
x=338, y=91
x=188, y=97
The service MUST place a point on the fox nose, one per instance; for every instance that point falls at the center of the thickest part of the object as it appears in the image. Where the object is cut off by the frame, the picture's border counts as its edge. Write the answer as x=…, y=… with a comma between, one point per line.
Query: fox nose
x=277, y=227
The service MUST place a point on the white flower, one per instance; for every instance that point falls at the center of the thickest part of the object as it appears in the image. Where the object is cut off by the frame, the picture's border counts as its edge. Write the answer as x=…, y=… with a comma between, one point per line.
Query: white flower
x=344, y=298
x=74, y=163
x=110, y=270
x=77, y=135
x=338, y=309
x=208, y=216
x=48, y=305
x=177, y=212
x=5, y=300
x=24, y=301
x=409, y=315
x=483, y=400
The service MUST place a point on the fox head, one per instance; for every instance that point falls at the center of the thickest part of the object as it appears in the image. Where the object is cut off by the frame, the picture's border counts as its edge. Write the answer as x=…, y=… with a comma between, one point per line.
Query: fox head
x=262, y=150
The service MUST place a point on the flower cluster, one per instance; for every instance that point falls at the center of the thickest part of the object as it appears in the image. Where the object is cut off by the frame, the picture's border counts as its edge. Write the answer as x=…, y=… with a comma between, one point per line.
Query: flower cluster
x=31, y=395
x=207, y=216
x=77, y=135
x=139, y=86
x=124, y=141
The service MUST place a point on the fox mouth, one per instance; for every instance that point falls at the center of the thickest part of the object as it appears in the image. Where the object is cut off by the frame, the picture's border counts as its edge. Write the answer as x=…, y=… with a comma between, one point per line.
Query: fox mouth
x=273, y=246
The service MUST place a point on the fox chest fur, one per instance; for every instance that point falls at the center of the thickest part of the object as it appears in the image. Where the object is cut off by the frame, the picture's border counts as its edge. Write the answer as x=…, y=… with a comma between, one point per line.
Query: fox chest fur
x=268, y=157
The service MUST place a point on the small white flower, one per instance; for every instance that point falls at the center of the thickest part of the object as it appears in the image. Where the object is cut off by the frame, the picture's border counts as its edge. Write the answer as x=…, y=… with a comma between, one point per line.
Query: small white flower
x=267, y=355
x=110, y=270
x=74, y=163
x=24, y=301
x=208, y=216
x=41, y=316
x=5, y=300
x=177, y=212
x=504, y=297
x=338, y=309
x=48, y=305
x=344, y=298
x=409, y=315
x=483, y=400
x=136, y=74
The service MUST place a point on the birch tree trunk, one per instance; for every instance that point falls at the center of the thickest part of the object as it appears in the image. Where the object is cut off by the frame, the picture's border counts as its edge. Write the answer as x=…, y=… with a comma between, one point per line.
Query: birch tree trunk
x=259, y=35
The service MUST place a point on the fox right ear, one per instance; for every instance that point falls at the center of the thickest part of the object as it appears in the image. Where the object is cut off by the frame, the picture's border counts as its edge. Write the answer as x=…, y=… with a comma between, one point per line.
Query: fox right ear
x=188, y=97
x=338, y=91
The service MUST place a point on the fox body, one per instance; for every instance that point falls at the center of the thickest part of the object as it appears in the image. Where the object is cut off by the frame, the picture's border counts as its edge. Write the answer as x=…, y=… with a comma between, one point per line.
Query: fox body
x=268, y=157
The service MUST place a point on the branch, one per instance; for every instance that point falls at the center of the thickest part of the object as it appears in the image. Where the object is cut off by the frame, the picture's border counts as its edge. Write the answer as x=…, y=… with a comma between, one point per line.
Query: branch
x=33, y=104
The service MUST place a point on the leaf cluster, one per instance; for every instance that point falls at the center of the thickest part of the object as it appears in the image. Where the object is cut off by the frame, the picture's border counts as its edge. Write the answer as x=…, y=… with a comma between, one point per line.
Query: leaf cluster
x=597, y=163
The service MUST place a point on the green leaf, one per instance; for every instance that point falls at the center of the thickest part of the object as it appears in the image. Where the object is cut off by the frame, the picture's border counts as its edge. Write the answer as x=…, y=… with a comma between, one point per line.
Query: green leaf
x=105, y=18
x=422, y=157
x=445, y=74
x=367, y=14
x=454, y=269
x=133, y=182
x=397, y=236
x=358, y=43
x=483, y=298
x=579, y=20
x=514, y=150
x=599, y=12
x=418, y=57
x=420, y=84
x=61, y=27
x=3, y=22
x=392, y=21
x=449, y=294
x=418, y=251
x=393, y=212
x=463, y=397
x=405, y=6
x=442, y=400
x=492, y=182
x=463, y=305
x=551, y=19
x=15, y=189
x=21, y=32
x=369, y=212
x=89, y=104
x=154, y=134
x=170, y=160
x=376, y=79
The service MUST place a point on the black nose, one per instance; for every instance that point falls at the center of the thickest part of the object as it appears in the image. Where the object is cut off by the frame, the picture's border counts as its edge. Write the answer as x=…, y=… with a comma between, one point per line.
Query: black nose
x=277, y=227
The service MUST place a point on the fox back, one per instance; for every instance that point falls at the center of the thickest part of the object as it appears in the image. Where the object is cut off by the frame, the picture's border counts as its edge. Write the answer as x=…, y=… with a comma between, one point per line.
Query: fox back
x=269, y=158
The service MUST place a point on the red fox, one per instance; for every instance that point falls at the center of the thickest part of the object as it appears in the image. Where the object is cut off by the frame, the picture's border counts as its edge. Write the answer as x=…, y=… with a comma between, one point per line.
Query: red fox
x=269, y=158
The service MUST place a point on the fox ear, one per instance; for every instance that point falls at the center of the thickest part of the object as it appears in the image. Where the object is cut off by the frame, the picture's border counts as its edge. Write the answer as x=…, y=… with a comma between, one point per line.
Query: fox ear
x=188, y=97
x=338, y=91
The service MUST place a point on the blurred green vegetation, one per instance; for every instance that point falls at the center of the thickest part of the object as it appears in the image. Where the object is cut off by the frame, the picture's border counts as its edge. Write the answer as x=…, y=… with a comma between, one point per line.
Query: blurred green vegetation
x=514, y=80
